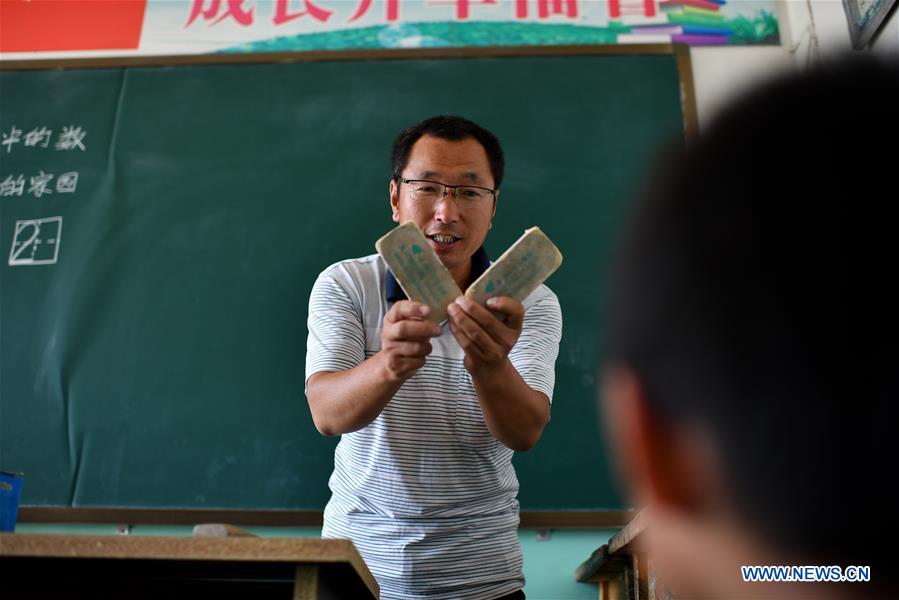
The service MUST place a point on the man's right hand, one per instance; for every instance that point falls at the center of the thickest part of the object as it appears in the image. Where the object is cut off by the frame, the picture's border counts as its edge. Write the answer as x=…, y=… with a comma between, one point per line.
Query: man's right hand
x=405, y=339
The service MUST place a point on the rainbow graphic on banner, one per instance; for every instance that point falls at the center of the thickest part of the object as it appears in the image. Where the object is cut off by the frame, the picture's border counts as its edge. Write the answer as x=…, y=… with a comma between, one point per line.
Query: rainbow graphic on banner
x=692, y=22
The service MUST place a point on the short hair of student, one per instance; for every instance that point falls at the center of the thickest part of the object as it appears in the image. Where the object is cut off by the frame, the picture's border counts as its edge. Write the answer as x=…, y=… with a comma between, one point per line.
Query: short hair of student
x=750, y=295
x=453, y=128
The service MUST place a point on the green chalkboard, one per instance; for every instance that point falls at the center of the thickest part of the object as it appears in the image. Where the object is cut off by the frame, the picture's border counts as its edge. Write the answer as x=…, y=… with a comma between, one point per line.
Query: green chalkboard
x=153, y=292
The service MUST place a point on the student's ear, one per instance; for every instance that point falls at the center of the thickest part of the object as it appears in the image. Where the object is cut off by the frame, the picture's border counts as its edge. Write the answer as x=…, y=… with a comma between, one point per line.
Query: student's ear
x=394, y=200
x=660, y=462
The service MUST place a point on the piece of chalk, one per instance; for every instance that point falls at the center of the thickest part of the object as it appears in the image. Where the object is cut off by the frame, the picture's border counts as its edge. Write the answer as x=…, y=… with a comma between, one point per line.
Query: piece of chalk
x=220, y=530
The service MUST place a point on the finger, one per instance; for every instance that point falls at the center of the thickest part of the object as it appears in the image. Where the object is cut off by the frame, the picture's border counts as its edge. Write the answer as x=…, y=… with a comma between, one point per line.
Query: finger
x=410, y=349
x=512, y=308
x=484, y=318
x=407, y=309
x=466, y=343
x=411, y=330
x=472, y=330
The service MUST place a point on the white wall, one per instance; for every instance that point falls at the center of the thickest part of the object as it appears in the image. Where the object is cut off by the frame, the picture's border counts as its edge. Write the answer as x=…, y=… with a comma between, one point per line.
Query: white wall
x=719, y=74
x=831, y=26
x=810, y=30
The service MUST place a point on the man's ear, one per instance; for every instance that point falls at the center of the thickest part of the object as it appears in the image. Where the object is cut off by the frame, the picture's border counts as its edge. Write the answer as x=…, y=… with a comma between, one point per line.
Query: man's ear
x=493, y=214
x=659, y=461
x=395, y=200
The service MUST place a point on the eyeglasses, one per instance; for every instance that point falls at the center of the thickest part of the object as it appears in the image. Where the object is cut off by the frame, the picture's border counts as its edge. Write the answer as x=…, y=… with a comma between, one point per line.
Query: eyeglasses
x=424, y=190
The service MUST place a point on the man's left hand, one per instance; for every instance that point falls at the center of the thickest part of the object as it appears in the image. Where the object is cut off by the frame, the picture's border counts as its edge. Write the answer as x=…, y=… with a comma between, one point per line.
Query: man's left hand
x=485, y=339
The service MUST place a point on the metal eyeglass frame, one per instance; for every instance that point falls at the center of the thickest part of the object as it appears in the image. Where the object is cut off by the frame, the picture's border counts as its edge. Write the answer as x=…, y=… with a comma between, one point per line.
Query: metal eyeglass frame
x=446, y=186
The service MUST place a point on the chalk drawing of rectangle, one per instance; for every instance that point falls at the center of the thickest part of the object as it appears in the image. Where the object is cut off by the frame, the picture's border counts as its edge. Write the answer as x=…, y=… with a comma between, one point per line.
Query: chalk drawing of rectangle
x=36, y=242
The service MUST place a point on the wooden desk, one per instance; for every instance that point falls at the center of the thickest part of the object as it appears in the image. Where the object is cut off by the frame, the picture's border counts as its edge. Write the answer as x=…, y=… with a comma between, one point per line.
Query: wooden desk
x=82, y=566
x=621, y=567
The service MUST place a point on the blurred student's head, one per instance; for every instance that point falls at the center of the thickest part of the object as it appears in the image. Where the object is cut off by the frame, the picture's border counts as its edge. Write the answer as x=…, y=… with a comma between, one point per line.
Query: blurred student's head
x=750, y=365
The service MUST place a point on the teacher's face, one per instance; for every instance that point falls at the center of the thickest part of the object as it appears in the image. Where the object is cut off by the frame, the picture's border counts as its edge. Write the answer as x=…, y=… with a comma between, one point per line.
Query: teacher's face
x=457, y=222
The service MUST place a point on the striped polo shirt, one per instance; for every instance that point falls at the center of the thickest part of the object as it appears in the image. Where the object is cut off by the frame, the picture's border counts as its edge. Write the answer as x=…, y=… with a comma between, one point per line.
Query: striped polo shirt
x=425, y=492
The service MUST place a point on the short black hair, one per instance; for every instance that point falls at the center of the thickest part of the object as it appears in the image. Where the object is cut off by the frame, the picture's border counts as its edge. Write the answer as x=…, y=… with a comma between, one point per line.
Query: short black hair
x=453, y=128
x=751, y=295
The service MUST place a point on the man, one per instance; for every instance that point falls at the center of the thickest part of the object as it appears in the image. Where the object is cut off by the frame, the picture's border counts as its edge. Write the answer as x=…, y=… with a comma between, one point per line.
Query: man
x=429, y=417
x=749, y=377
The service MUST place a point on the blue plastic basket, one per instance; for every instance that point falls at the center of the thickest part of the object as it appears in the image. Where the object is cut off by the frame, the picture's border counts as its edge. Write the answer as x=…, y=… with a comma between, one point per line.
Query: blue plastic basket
x=10, y=491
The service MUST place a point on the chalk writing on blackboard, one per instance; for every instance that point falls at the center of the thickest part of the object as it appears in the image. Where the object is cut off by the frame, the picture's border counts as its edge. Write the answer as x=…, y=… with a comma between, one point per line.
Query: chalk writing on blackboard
x=36, y=242
x=67, y=182
x=39, y=137
x=70, y=138
x=39, y=184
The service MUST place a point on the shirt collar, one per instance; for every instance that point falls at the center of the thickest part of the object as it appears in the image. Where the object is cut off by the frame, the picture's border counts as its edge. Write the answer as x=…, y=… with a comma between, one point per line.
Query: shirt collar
x=479, y=263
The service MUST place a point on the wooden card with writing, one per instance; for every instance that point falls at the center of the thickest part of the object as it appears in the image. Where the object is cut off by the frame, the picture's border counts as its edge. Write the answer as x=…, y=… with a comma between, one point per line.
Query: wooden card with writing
x=418, y=269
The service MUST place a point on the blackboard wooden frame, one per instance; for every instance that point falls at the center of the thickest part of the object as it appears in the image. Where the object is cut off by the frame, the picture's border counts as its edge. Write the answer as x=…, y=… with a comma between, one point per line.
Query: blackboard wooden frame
x=681, y=53
x=298, y=518
x=599, y=519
